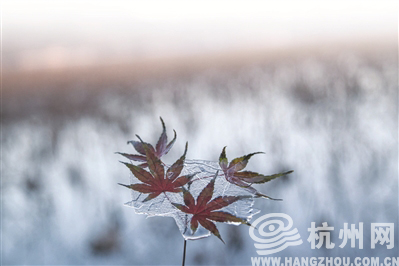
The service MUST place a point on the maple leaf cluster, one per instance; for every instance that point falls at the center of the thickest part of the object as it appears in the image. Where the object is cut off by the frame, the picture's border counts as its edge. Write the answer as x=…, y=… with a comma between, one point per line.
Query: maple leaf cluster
x=161, y=179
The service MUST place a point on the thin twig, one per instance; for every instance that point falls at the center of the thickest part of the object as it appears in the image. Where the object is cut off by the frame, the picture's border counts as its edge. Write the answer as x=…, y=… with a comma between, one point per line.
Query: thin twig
x=184, y=253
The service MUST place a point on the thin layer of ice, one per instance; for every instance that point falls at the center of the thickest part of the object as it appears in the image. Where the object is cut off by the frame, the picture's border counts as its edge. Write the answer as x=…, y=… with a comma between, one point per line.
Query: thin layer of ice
x=204, y=172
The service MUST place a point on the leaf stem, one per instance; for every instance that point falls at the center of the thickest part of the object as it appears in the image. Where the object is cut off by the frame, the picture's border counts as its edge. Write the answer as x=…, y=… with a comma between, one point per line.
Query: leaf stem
x=184, y=252
x=204, y=177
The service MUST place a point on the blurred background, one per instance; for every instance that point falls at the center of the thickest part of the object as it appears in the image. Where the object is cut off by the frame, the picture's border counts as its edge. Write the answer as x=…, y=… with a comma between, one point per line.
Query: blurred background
x=313, y=84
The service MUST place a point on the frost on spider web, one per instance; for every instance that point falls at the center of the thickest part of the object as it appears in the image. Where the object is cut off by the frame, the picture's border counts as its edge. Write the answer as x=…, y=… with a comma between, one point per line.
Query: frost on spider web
x=204, y=172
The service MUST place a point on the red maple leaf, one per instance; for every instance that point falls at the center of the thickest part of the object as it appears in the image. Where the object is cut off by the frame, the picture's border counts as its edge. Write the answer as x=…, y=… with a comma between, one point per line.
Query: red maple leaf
x=204, y=209
x=157, y=181
x=161, y=148
x=244, y=179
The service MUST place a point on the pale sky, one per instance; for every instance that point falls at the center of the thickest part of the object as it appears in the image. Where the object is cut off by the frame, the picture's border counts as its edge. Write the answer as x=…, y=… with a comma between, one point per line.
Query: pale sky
x=39, y=33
